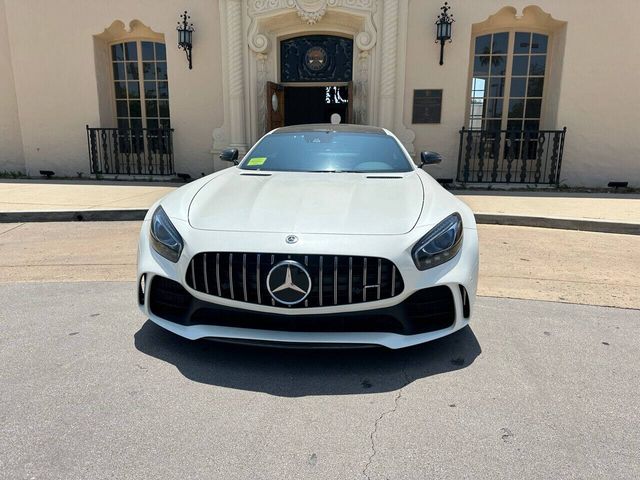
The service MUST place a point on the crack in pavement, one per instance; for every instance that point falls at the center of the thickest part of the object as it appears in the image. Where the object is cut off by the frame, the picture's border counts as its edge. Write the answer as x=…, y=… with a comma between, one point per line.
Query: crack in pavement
x=12, y=229
x=396, y=401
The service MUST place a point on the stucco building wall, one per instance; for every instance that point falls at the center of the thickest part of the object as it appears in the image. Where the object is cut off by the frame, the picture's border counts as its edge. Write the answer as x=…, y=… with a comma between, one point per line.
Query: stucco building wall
x=597, y=98
x=57, y=86
x=53, y=80
x=11, y=154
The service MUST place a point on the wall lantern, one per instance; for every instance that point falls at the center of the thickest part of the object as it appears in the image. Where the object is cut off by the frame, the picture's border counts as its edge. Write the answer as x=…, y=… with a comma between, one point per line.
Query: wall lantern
x=444, y=28
x=185, y=36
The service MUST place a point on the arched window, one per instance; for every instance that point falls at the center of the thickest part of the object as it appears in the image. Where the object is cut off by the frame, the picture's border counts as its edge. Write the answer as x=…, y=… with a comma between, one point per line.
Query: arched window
x=509, y=71
x=140, y=84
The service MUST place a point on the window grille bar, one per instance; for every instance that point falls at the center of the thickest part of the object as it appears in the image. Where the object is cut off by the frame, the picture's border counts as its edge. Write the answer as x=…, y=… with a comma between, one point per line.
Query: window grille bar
x=112, y=150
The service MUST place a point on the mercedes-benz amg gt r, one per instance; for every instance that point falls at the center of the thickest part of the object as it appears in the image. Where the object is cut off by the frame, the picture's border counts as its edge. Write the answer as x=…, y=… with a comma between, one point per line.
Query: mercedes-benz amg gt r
x=323, y=234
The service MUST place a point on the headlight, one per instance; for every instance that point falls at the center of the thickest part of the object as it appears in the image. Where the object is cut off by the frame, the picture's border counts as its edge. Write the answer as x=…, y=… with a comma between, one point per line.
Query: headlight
x=440, y=245
x=165, y=239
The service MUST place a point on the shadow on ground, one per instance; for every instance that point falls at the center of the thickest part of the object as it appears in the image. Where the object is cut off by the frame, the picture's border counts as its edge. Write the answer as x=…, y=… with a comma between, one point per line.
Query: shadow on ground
x=296, y=372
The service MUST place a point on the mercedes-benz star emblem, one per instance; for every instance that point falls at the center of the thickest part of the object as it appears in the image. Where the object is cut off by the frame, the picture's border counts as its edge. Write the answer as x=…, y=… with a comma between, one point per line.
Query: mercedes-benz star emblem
x=291, y=239
x=289, y=282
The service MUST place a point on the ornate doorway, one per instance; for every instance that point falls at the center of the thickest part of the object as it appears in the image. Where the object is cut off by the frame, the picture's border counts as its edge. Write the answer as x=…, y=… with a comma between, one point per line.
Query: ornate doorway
x=372, y=32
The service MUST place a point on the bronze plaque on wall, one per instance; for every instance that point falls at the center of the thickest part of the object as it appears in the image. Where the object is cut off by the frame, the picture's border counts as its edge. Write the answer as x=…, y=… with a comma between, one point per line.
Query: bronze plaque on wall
x=427, y=106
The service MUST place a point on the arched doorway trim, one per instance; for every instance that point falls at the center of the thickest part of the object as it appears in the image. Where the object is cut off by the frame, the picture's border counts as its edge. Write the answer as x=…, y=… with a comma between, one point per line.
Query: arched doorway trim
x=378, y=70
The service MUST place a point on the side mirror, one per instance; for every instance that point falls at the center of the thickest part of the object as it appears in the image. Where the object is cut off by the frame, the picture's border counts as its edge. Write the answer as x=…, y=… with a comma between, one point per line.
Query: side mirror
x=229, y=155
x=429, y=158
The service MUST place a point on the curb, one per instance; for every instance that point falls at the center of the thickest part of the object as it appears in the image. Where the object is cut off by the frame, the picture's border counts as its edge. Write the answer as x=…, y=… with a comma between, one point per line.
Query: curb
x=481, y=218
x=74, y=216
x=559, y=223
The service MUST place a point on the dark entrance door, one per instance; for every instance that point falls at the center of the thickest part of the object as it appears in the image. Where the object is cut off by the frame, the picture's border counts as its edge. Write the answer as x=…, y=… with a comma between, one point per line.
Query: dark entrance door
x=316, y=72
x=316, y=104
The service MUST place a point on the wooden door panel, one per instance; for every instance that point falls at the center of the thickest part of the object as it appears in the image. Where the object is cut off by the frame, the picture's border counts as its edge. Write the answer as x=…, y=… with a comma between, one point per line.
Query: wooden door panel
x=275, y=98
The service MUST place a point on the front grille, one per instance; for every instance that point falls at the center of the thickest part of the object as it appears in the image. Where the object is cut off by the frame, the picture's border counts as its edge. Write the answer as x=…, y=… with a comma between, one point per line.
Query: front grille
x=335, y=279
x=426, y=310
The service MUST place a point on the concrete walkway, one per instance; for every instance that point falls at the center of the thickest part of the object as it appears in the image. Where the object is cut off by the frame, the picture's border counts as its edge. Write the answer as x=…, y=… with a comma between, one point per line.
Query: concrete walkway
x=619, y=213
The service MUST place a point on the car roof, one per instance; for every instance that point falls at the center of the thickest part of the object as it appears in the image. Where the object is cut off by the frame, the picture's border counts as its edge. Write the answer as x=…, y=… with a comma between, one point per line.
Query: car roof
x=329, y=127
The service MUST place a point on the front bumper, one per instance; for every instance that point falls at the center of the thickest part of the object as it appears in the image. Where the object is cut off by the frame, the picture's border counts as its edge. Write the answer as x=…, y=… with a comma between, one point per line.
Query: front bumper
x=404, y=320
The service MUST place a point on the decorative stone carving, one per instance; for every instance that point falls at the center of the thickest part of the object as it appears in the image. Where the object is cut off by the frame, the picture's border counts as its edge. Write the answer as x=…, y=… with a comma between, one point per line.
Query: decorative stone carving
x=375, y=70
x=235, y=44
x=394, y=32
x=311, y=11
x=360, y=90
x=365, y=40
x=261, y=91
x=389, y=55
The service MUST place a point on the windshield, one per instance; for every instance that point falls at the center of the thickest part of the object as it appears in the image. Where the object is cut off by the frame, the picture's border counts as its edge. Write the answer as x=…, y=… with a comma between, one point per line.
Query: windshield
x=326, y=151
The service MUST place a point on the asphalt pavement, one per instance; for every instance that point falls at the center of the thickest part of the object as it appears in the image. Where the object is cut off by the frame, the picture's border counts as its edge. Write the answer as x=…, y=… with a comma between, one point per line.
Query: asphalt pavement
x=91, y=389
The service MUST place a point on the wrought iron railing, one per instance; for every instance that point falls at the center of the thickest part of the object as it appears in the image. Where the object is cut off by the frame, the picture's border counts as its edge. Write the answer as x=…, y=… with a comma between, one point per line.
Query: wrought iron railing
x=124, y=151
x=510, y=156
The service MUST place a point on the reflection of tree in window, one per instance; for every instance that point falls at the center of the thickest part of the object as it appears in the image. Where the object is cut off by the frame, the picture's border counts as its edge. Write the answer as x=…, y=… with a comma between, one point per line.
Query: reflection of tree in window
x=490, y=83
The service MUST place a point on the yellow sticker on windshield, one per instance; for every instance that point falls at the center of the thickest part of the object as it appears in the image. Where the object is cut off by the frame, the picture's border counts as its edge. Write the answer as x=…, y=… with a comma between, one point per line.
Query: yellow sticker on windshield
x=255, y=161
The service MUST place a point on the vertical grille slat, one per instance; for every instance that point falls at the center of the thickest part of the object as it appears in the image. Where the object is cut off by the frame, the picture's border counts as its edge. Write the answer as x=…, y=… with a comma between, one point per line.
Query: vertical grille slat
x=393, y=281
x=193, y=276
x=336, y=279
x=350, y=278
x=364, y=280
x=244, y=276
x=218, y=273
x=205, y=273
x=320, y=282
x=258, y=278
x=231, y=275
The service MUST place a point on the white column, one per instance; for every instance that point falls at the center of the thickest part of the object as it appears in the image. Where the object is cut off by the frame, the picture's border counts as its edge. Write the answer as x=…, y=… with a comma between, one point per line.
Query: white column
x=235, y=45
x=389, y=47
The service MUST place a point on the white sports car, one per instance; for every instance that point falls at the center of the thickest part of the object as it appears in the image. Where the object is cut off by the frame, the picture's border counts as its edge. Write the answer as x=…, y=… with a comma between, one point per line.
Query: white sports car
x=323, y=234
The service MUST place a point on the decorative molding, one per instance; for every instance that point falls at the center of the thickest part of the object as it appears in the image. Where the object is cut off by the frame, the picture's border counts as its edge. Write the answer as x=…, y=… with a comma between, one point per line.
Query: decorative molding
x=311, y=12
x=391, y=96
x=235, y=66
x=507, y=17
x=360, y=88
x=118, y=31
x=261, y=91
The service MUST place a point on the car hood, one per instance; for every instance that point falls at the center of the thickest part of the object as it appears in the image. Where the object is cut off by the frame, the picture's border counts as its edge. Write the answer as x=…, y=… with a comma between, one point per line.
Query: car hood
x=327, y=203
